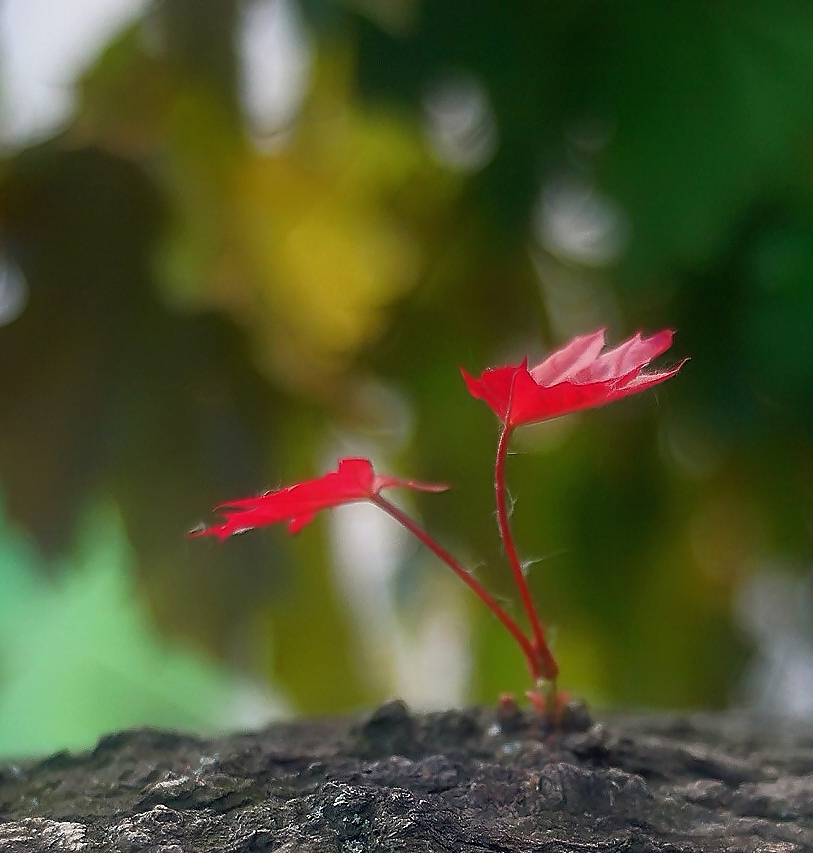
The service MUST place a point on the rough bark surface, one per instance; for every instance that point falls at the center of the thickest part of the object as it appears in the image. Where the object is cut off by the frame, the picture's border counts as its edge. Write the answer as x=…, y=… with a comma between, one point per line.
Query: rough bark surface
x=474, y=780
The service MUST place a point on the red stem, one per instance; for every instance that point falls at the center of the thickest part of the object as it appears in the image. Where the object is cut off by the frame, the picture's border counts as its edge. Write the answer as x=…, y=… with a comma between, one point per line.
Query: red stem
x=546, y=663
x=485, y=596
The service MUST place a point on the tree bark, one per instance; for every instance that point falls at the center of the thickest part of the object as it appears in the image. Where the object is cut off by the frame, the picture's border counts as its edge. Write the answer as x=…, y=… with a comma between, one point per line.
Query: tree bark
x=468, y=780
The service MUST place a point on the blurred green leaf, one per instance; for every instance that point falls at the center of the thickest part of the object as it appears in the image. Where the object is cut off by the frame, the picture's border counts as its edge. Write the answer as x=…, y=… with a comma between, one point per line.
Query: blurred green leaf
x=80, y=657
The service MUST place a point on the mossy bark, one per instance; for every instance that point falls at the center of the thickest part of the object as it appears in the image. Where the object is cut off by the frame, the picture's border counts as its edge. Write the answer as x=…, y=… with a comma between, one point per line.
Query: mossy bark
x=471, y=780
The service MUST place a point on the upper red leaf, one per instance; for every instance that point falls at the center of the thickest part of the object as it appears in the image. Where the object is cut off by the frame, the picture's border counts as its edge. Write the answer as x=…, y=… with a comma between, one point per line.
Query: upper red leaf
x=354, y=480
x=578, y=376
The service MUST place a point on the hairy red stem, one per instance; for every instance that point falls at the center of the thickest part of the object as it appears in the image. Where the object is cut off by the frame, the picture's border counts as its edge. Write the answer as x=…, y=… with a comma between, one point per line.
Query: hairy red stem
x=485, y=596
x=546, y=663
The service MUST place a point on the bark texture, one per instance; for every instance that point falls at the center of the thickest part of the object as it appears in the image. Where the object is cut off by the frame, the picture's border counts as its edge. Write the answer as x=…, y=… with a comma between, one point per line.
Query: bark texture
x=472, y=780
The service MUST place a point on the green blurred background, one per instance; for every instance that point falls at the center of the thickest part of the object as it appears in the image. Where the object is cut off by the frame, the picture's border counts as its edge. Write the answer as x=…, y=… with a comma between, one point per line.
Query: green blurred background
x=242, y=239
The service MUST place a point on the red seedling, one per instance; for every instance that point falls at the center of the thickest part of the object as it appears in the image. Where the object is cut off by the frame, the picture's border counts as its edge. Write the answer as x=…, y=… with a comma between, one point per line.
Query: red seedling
x=578, y=376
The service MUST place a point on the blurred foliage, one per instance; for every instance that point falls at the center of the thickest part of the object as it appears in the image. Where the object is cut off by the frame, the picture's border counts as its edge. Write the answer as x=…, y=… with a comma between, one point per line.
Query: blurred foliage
x=212, y=314
x=91, y=662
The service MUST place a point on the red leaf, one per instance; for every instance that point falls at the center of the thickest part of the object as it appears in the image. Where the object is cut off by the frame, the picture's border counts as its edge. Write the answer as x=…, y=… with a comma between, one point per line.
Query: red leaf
x=578, y=376
x=354, y=480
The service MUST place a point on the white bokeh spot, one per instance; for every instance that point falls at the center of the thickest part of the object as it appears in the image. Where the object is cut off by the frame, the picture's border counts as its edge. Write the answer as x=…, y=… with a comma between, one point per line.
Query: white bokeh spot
x=275, y=64
x=45, y=45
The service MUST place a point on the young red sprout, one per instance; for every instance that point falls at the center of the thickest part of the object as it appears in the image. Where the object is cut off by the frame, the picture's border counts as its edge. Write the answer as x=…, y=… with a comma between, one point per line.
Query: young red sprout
x=354, y=480
x=577, y=376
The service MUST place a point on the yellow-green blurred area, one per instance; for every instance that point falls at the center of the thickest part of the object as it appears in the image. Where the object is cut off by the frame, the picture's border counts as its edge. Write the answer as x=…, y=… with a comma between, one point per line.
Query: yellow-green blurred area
x=243, y=239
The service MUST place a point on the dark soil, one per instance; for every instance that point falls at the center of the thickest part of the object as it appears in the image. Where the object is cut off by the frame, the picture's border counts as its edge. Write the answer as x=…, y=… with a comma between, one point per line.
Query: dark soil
x=473, y=780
